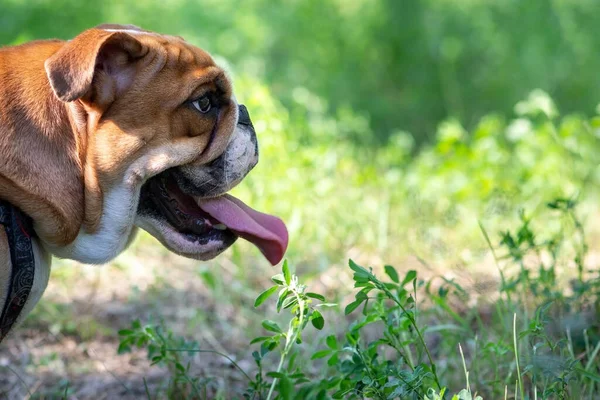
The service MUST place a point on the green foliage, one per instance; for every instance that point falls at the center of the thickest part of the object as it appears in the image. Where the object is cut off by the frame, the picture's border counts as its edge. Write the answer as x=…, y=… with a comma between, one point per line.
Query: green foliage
x=419, y=204
x=292, y=296
x=405, y=377
x=164, y=348
x=446, y=76
x=405, y=341
x=392, y=64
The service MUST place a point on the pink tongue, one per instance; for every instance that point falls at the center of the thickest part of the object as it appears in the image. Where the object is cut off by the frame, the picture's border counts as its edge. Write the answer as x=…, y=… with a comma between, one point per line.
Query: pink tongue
x=265, y=231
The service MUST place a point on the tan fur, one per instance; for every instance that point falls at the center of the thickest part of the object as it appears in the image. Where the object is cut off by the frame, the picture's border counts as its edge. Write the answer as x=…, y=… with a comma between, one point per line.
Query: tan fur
x=55, y=155
x=78, y=117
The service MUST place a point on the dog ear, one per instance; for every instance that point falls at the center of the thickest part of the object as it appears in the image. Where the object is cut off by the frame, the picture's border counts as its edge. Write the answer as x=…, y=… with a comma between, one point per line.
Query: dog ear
x=98, y=57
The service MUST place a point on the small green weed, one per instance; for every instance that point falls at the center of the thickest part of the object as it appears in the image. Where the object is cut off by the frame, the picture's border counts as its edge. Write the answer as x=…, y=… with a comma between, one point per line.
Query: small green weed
x=164, y=348
x=410, y=338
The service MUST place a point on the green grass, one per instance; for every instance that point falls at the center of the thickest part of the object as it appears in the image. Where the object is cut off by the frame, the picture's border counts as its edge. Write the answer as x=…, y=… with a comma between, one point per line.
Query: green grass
x=481, y=266
x=395, y=66
x=406, y=338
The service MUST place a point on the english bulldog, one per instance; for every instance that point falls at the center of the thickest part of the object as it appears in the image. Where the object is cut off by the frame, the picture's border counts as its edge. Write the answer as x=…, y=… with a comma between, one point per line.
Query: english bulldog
x=117, y=129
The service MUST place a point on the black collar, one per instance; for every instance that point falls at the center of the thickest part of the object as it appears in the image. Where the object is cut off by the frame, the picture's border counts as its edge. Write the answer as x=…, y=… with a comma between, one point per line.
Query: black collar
x=19, y=230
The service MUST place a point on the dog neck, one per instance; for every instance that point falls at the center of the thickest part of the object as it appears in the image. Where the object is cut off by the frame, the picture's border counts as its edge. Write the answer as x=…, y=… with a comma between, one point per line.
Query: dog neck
x=42, y=144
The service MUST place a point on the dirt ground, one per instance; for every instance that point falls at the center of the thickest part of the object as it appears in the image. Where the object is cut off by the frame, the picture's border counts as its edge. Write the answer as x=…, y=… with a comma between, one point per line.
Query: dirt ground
x=69, y=343
x=67, y=347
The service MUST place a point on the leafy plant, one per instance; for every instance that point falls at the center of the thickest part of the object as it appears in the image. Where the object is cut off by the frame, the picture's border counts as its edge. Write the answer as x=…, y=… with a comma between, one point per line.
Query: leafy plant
x=408, y=329
x=293, y=296
x=393, y=306
x=166, y=349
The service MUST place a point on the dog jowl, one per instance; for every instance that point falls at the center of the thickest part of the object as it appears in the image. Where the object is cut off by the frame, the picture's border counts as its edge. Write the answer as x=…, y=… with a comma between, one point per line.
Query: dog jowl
x=115, y=130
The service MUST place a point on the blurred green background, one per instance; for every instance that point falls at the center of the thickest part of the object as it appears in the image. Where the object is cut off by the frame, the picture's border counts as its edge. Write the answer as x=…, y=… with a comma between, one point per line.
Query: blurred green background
x=400, y=65
x=387, y=129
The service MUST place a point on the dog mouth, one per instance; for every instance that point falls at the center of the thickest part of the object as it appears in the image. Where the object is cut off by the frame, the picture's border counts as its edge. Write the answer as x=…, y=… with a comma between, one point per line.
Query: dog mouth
x=204, y=227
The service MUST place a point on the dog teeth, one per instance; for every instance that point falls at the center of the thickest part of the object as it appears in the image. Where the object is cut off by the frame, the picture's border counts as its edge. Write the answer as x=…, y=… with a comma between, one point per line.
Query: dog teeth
x=220, y=227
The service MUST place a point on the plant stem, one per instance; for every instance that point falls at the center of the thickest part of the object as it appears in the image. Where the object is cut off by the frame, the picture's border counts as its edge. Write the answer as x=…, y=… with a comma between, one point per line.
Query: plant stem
x=521, y=389
x=289, y=340
x=217, y=353
x=414, y=324
x=462, y=356
x=496, y=260
x=145, y=387
x=283, y=355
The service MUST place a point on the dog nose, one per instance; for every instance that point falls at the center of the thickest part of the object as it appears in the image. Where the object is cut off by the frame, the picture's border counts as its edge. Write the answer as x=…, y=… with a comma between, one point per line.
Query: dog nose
x=244, y=119
x=244, y=116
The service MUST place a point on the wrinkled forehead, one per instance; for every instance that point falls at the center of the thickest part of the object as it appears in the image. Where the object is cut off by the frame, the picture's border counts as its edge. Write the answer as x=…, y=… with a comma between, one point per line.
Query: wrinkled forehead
x=178, y=51
x=187, y=68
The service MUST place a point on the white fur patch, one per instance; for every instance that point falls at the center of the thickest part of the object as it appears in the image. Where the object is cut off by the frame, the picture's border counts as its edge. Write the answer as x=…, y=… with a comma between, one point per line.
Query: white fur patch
x=116, y=223
x=120, y=208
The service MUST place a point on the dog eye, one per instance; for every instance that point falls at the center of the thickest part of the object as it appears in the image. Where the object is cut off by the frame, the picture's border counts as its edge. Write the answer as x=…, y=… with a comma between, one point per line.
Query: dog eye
x=203, y=104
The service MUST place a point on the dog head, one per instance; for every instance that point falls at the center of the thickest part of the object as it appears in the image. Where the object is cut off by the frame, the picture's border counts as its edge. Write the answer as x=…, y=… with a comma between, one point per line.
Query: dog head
x=164, y=128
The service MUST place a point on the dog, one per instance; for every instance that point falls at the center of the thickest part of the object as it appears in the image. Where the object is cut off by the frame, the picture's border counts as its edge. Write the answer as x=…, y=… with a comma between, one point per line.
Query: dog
x=119, y=128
